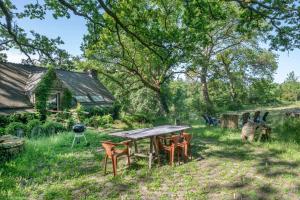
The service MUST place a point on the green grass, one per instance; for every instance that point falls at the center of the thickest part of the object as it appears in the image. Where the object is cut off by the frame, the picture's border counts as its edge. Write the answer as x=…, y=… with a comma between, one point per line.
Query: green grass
x=223, y=168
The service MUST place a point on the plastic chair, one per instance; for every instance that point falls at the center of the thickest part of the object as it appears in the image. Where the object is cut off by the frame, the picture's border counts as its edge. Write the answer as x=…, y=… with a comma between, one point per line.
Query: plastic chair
x=185, y=146
x=170, y=148
x=113, y=153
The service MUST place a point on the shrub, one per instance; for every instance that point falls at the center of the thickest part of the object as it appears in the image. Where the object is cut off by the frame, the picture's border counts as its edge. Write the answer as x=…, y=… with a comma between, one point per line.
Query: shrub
x=106, y=119
x=51, y=127
x=289, y=130
x=4, y=120
x=13, y=127
x=70, y=123
x=34, y=128
x=80, y=111
x=95, y=121
x=128, y=120
x=2, y=131
x=22, y=117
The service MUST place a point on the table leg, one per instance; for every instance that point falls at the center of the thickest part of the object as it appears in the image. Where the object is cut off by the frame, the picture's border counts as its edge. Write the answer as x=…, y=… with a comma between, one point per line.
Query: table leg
x=156, y=149
x=151, y=152
x=135, y=146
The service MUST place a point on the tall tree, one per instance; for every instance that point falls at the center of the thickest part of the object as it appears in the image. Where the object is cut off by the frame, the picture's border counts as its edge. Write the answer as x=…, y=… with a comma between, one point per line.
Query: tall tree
x=13, y=36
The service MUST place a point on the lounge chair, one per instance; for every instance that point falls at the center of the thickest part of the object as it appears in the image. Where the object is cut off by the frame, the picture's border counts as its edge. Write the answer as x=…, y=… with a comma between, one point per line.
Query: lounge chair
x=264, y=118
x=211, y=121
x=245, y=118
x=256, y=117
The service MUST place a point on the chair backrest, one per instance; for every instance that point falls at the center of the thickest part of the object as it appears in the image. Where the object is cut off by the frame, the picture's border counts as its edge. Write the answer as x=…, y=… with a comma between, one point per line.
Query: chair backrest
x=206, y=119
x=245, y=117
x=264, y=118
x=187, y=137
x=108, y=147
x=256, y=116
x=210, y=119
x=175, y=140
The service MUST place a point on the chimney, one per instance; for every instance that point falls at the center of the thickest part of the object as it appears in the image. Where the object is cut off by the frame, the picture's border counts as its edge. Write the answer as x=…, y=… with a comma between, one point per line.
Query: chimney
x=93, y=73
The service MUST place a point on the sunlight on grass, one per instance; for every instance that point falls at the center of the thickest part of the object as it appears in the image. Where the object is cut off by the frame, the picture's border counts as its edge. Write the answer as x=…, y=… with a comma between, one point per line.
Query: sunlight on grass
x=223, y=167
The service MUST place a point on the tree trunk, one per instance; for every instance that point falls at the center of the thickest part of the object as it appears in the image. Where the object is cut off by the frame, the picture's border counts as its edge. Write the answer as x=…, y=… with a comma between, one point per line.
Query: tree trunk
x=232, y=91
x=163, y=102
x=204, y=88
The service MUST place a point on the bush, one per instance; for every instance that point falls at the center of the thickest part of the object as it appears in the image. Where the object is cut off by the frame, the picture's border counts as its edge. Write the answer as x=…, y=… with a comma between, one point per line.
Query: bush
x=106, y=119
x=13, y=127
x=95, y=121
x=23, y=117
x=80, y=111
x=289, y=130
x=2, y=131
x=4, y=120
x=100, y=111
x=34, y=128
x=128, y=120
x=70, y=123
x=50, y=128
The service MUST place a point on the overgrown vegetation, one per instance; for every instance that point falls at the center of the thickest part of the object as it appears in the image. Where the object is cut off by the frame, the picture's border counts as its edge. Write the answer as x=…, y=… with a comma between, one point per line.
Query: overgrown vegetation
x=43, y=90
x=222, y=168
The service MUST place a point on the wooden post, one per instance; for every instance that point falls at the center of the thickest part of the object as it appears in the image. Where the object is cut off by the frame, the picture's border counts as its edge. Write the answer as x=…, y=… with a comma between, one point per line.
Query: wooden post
x=229, y=121
x=151, y=152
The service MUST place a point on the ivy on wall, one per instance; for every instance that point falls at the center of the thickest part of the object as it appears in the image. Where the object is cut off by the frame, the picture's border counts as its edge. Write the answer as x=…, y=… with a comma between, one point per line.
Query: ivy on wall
x=66, y=99
x=42, y=91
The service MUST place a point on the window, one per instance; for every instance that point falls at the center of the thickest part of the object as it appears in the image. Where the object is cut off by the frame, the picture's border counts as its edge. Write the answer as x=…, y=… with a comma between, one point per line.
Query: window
x=53, y=102
x=82, y=98
x=97, y=98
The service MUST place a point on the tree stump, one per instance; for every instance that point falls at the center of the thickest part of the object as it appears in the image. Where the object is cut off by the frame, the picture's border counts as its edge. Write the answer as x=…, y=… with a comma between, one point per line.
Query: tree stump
x=230, y=121
x=10, y=146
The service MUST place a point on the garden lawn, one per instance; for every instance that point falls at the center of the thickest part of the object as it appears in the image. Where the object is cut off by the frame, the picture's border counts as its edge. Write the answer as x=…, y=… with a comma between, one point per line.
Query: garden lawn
x=222, y=168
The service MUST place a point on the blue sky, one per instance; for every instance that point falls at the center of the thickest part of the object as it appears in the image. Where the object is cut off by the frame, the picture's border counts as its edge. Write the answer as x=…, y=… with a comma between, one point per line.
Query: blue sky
x=72, y=30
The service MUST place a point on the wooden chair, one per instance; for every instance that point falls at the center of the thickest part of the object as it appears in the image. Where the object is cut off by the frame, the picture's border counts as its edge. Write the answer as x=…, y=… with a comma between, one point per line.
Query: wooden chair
x=113, y=153
x=170, y=148
x=245, y=118
x=264, y=118
x=256, y=117
x=185, y=146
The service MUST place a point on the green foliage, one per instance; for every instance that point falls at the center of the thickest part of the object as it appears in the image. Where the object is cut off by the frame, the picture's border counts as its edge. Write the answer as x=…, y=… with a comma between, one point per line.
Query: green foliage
x=290, y=89
x=34, y=128
x=97, y=121
x=51, y=127
x=289, y=130
x=70, y=123
x=2, y=131
x=43, y=91
x=80, y=112
x=4, y=120
x=101, y=110
x=22, y=117
x=66, y=101
x=13, y=127
x=106, y=120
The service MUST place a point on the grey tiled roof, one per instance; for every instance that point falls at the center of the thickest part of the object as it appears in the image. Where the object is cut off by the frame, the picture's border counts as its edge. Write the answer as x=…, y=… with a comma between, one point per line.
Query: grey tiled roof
x=17, y=80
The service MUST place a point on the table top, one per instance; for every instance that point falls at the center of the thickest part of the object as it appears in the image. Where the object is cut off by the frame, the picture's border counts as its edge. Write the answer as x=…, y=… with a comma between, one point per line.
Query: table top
x=149, y=132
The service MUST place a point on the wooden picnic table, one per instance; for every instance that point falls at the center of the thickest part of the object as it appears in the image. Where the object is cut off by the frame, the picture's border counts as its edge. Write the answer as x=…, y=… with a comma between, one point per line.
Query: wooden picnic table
x=150, y=133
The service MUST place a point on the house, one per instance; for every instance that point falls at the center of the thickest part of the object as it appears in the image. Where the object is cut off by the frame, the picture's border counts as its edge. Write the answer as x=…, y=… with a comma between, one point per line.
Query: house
x=18, y=83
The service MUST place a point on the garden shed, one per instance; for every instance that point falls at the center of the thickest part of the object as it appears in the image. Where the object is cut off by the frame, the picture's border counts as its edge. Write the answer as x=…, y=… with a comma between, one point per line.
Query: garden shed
x=19, y=82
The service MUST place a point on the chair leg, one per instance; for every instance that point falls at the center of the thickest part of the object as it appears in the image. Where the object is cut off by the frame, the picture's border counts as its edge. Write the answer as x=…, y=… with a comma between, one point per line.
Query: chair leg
x=128, y=159
x=114, y=161
x=105, y=163
x=178, y=159
x=185, y=153
x=172, y=157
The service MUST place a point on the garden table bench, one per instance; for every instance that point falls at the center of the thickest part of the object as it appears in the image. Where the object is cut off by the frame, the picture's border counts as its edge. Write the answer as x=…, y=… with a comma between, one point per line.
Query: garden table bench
x=150, y=133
